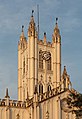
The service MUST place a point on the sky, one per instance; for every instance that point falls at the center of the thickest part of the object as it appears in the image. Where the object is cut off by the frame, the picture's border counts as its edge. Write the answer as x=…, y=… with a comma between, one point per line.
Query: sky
x=15, y=13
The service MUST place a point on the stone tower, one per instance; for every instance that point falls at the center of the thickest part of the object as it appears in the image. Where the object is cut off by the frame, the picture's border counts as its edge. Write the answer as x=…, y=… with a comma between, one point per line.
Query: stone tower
x=42, y=90
x=39, y=62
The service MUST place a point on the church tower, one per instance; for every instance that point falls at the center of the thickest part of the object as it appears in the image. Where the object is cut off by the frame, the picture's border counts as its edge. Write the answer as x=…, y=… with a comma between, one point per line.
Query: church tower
x=39, y=62
x=43, y=93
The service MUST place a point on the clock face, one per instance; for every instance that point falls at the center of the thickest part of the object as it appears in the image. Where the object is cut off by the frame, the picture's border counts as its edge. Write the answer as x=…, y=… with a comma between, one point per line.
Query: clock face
x=46, y=55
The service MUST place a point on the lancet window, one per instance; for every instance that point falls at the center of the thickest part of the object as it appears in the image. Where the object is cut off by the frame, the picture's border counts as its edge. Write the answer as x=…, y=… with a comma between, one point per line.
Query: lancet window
x=49, y=64
x=40, y=88
x=40, y=60
x=49, y=88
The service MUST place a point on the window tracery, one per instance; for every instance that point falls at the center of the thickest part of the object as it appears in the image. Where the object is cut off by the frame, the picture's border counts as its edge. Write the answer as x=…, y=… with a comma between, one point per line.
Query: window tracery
x=49, y=88
x=49, y=64
x=40, y=60
x=40, y=88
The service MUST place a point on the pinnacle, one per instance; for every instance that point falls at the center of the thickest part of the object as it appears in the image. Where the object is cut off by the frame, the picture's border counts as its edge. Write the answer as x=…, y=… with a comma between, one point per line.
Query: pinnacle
x=7, y=95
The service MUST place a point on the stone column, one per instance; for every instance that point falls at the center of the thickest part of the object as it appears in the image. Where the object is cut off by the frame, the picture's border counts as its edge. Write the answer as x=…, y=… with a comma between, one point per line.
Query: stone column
x=55, y=64
x=59, y=108
x=36, y=59
x=31, y=70
x=35, y=106
x=19, y=72
x=58, y=62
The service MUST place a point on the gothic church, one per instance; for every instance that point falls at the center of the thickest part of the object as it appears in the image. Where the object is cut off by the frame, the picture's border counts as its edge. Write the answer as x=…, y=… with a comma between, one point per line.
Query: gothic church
x=42, y=89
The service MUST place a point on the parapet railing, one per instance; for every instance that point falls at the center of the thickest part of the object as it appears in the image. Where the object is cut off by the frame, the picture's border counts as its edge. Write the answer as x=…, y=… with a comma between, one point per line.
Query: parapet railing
x=29, y=102
x=51, y=93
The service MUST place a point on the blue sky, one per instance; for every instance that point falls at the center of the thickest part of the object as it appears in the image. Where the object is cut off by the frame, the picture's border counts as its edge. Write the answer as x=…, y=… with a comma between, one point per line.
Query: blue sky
x=15, y=13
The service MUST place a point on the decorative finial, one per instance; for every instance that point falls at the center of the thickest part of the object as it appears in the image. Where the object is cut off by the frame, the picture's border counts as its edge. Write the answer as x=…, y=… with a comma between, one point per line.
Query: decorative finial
x=32, y=12
x=56, y=20
x=7, y=95
x=22, y=27
x=45, y=37
x=44, y=33
x=65, y=72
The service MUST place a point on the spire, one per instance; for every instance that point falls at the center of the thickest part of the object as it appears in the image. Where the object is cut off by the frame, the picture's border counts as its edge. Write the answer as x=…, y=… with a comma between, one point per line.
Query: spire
x=31, y=29
x=56, y=29
x=22, y=33
x=32, y=19
x=56, y=34
x=32, y=12
x=7, y=95
x=56, y=20
x=22, y=28
x=22, y=37
x=44, y=37
x=64, y=72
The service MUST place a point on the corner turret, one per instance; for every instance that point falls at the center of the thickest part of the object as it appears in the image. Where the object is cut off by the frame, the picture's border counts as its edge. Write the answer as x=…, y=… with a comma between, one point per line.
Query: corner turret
x=32, y=56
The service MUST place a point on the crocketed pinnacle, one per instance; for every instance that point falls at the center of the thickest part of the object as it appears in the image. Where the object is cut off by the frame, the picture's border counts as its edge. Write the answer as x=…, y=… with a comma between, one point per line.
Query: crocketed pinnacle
x=64, y=72
x=56, y=29
x=22, y=33
x=7, y=95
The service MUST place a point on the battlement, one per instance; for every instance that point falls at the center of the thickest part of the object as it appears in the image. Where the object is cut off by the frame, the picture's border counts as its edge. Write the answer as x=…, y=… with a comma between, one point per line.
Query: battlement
x=41, y=42
x=62, y=87
x=15, y=103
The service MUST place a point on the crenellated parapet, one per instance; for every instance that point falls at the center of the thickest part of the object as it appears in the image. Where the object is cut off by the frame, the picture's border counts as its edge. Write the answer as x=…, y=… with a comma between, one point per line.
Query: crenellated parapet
x=41, y=42
x=15, y=103
x=12, y=103
x=40, y=97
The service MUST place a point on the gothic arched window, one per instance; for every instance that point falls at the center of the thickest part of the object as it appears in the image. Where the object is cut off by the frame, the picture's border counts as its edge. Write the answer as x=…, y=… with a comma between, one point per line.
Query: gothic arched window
x=40, y=60
x=40, y=88
x=49, y=64
x=49, y=88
